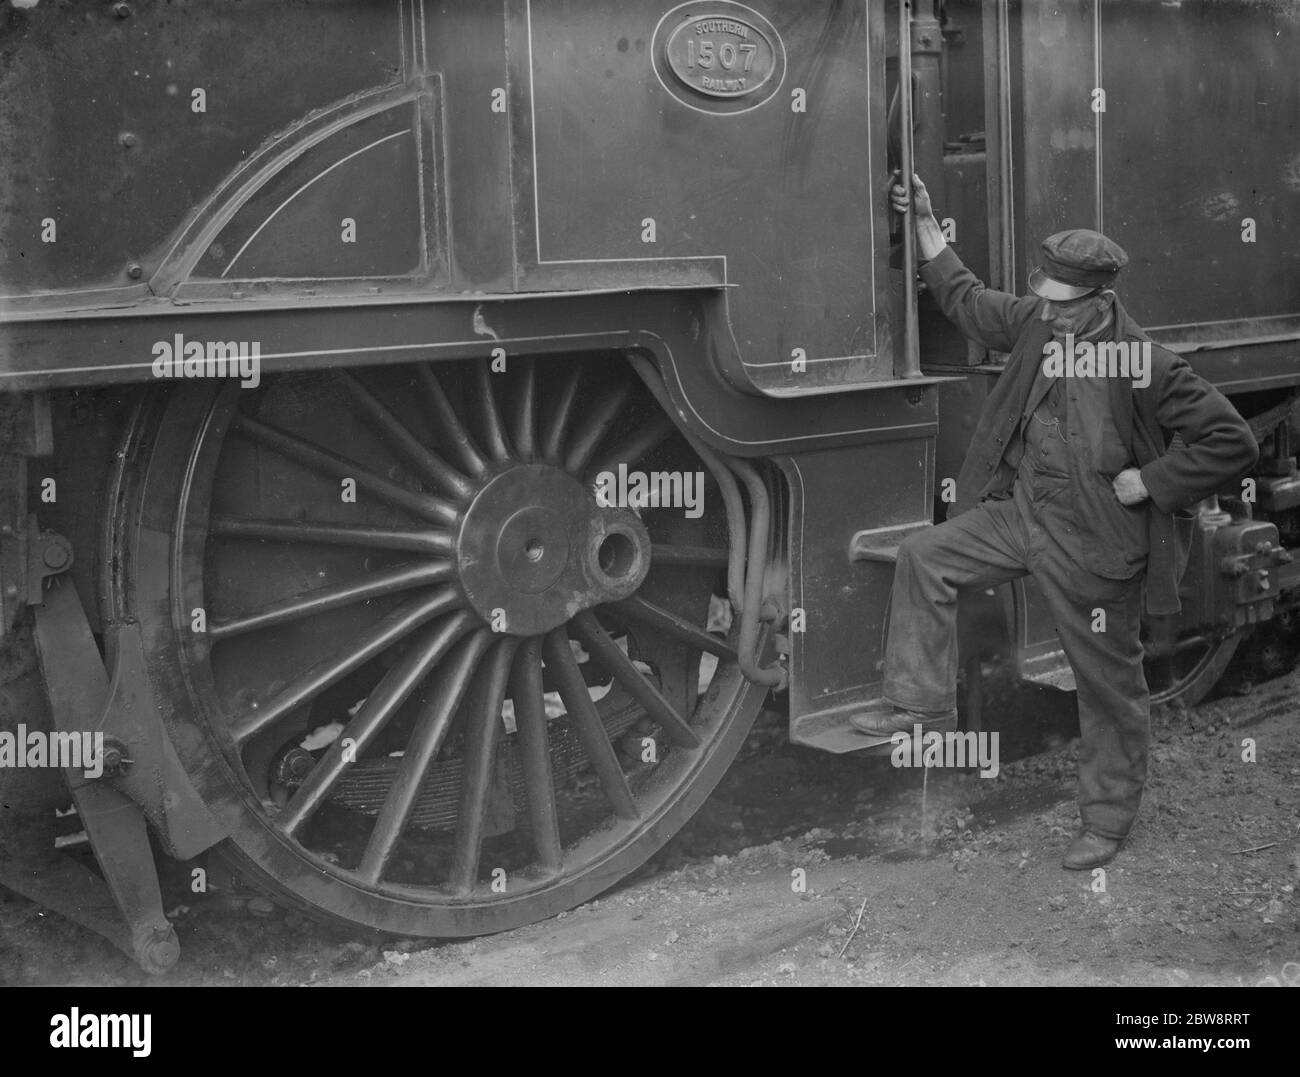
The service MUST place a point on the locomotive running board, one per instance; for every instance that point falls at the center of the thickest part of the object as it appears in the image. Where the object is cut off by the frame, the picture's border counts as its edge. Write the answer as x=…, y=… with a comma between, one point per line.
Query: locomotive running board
x=830, y=731
x=113, y=810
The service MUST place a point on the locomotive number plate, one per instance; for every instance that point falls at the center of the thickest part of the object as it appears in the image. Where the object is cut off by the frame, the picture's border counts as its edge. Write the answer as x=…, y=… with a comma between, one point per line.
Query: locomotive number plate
x=721, y=57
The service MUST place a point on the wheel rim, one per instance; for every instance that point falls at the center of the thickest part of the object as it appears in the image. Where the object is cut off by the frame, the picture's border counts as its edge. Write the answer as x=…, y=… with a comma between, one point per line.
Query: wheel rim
x=533, y=656
x=1187, y=671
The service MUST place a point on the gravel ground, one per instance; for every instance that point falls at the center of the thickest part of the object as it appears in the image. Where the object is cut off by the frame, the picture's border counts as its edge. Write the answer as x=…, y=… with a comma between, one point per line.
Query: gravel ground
x=909, y=879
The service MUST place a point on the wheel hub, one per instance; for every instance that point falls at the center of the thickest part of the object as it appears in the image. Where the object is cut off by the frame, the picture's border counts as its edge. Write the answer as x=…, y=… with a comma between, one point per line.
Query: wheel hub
x=535, y=548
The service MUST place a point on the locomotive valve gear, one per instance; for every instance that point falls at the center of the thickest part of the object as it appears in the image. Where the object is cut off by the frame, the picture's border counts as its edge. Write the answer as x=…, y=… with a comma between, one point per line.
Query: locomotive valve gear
x=1068, y=479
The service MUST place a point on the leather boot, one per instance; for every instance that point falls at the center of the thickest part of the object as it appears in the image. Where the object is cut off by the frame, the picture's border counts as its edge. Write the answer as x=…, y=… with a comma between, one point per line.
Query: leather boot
x=887, y=722
x=1089, y=850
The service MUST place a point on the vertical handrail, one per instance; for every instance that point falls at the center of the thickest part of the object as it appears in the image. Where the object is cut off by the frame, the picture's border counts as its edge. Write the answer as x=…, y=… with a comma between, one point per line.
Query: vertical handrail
x=1006, y=161
x=911, y=345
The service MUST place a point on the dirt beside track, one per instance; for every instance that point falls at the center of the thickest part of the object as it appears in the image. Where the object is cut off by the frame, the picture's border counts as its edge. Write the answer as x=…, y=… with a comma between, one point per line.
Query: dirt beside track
x=965, y=889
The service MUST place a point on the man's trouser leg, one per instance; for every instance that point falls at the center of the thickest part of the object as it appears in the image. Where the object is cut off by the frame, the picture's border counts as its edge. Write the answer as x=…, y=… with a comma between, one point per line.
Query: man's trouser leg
x=1098, y=624
x=979, y=548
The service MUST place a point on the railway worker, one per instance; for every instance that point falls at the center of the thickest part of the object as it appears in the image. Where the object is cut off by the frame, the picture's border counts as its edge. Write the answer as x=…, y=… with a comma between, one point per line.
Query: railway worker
x=1066, y=479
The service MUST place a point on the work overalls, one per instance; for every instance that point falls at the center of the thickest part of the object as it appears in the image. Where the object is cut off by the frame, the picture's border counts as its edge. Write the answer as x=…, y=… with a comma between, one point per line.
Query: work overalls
x=1035, y=532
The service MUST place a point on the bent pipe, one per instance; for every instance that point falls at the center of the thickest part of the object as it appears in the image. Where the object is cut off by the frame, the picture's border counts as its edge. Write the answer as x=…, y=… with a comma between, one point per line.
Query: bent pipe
x=726, y=482
x=772, y=676
x=744, y=588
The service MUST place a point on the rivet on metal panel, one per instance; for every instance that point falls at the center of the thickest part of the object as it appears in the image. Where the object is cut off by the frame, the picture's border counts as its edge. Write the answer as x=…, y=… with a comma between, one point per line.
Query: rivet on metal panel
x=135, y=271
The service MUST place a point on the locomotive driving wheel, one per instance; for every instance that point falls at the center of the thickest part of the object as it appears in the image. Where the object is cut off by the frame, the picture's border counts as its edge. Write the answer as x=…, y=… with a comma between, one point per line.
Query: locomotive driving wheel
x=1185, y=670
x=427, y=679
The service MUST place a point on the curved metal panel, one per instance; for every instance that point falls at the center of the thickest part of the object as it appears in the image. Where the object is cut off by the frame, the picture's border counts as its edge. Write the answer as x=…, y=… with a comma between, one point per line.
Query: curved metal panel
x=333, y=212
x=282, y=214
x=112, y=126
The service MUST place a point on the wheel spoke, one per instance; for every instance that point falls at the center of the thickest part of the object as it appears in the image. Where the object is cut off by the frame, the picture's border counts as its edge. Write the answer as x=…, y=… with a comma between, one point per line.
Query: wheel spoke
x=494, y=431
x=392, y=691
x=433, y=543
x=292, y=447
x=593, y=429
x=483, y=733
x=557, y=421
x=633, y=448
x=447, y=422
x=376, y=639
x=525, y=424
x=586, y=719
x=359, y=631
x=535, y=755
x=609, y=657
x=431, y=724
x=395, y=434
x=648, y=613
x=324, y=599
x=688, y=556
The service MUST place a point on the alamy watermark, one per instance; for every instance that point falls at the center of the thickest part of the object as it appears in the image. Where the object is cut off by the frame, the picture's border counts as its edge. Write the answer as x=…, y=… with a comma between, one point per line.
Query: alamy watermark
x=950, y=749
x=181, y=358
x=39, y=748
x=655, y=490
x=1104, y=359
x=77, y=1029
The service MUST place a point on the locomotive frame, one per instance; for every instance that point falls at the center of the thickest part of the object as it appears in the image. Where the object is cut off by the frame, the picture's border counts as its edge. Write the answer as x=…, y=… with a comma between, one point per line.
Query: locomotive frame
x=467, y=386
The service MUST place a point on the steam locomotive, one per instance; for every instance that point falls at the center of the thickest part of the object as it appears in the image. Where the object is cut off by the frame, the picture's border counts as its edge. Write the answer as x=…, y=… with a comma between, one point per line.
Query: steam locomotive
x=432, y=430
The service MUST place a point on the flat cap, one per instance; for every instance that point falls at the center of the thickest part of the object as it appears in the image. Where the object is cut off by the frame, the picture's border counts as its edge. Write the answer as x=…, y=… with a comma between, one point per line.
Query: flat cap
x=1076, y=262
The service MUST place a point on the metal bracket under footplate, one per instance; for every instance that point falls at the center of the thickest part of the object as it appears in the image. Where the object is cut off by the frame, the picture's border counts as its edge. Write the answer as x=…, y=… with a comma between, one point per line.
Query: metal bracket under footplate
x=114, y=807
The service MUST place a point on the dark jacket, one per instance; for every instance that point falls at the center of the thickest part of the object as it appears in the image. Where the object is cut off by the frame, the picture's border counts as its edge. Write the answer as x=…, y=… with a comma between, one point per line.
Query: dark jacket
x=1217, y=445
